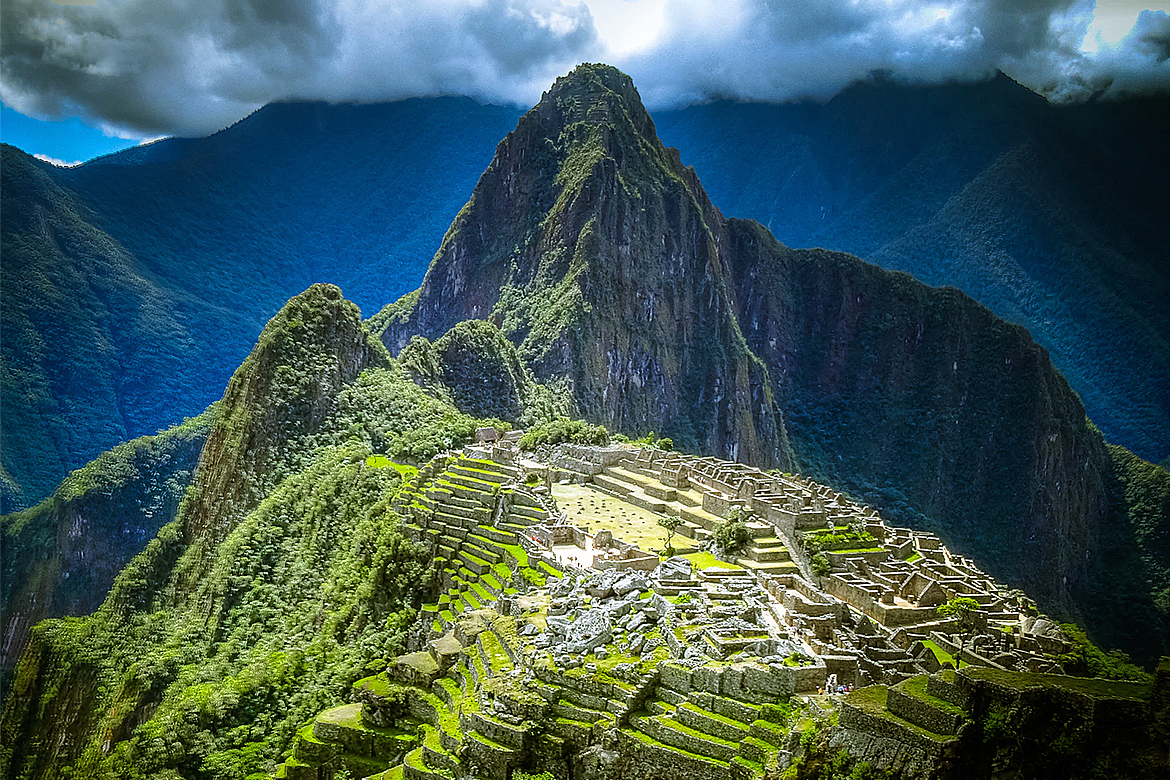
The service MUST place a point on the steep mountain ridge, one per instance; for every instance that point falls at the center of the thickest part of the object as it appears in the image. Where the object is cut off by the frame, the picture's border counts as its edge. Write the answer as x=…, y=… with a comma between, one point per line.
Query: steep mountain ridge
x=1048, y=214
x=928, y=405
x=590, y=245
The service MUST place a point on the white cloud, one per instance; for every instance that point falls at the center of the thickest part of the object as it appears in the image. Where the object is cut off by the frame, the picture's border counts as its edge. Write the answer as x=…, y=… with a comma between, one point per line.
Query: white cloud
x=55, y=161
x=149, y=67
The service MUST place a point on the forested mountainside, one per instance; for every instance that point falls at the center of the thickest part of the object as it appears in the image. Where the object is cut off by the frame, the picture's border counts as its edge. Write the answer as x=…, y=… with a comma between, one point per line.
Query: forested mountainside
x=135, y=284
x=1052, y=216
x=614, y=272
x=281, y=576
x=61, y=556
x=1047, y=214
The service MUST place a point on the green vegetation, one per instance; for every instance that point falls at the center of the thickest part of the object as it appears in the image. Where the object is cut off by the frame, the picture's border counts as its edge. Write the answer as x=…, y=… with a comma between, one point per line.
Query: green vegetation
x=671, y=525
x=479, y=370
x=816, y=541
x=1087, y=660
x=703, y=560
x=122, y=499
x=399, y=418
x=296, y=615
x=282, y=579
x=820, y=565
x=818, y=761
x=649, y=440
x=940, y=655
x=732, y=535
x=564, y=431
x=1127, y=592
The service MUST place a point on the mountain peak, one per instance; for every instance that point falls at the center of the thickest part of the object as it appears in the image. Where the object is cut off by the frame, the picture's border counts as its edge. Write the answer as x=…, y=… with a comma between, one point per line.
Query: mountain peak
x=596, y=252
x=592, y=83
x=595, y=94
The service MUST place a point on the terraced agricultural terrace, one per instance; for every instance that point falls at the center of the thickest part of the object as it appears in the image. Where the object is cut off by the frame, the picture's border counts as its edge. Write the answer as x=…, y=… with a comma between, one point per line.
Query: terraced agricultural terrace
x=612, y=659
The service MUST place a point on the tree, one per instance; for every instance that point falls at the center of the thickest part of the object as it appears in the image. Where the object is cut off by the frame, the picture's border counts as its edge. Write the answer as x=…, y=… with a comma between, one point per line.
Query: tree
x=671, y=525
x=732, y=536
x=965, y=610
x=820, y=565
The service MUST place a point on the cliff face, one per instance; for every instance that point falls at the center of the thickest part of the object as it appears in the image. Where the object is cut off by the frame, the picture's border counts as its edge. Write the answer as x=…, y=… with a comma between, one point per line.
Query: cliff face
x=602, y=258
x=596, y=251
x=923, y=402
x=61, y=556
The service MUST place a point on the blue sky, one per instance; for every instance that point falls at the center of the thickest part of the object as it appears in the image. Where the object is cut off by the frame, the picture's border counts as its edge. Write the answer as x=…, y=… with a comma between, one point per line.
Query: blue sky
x=64, y=141
x=81, y=78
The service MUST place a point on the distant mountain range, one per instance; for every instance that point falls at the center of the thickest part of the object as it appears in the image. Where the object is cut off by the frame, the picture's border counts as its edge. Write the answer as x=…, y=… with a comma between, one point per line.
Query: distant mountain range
x=135, y=283
x=1052, y=216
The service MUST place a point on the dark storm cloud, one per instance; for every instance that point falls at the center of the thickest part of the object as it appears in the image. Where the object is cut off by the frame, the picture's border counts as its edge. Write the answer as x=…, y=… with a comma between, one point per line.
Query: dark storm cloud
x=192, y=66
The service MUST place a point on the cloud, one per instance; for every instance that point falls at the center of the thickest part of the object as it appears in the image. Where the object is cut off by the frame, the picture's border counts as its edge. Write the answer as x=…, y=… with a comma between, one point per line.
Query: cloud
x=771, y=50
x=55, y=161
x=188, y=67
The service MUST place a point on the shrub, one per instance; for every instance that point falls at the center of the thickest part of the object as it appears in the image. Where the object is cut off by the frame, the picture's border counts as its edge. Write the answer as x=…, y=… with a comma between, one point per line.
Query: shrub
x=564, y=431
x=815, y=542
x=732, y=536
x=820, y=564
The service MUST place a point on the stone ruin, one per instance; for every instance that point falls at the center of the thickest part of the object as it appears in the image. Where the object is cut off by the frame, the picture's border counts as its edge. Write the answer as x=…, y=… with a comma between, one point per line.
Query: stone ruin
x=619, y=664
